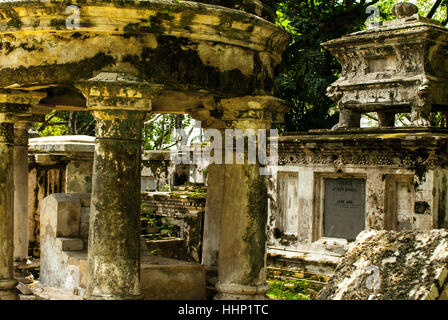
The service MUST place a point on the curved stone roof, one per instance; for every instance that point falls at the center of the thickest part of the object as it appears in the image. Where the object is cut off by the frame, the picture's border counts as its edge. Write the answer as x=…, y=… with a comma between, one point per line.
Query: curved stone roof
x=257, y=7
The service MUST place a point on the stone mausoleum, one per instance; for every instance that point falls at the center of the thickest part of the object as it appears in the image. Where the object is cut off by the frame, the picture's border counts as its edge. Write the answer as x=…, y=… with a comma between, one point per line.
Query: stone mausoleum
x=331, y=185
x=214, y=60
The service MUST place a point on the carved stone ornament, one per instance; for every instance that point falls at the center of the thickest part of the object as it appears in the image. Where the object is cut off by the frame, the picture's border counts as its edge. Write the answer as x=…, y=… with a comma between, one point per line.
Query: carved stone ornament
x=401, y=66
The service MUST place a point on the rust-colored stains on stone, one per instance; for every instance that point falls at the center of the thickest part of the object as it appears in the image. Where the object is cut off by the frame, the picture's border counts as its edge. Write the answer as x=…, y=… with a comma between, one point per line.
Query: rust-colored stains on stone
x=386, y=265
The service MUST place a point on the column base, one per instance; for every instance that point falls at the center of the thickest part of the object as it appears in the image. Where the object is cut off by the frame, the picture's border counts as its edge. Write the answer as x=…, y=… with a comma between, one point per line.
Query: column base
x=240, y=292
x=8, y=289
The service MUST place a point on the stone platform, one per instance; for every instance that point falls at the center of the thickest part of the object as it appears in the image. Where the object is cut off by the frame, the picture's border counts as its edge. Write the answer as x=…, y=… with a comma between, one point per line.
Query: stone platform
x=161, y=279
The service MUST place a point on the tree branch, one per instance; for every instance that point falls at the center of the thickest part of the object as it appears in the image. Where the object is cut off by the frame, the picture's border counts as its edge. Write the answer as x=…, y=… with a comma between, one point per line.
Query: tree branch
x=434, y=8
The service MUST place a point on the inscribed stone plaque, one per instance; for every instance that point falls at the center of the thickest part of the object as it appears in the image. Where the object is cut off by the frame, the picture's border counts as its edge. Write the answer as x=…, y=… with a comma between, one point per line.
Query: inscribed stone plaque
x=345, y=201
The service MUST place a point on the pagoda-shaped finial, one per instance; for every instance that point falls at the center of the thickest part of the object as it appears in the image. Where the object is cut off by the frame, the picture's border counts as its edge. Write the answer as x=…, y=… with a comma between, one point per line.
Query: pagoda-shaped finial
x=404, y=10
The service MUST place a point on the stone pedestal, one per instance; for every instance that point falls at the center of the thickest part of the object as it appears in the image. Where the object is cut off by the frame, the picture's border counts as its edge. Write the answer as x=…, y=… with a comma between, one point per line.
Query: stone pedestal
x=119, y=108
x=21, y=237
x=401, y=66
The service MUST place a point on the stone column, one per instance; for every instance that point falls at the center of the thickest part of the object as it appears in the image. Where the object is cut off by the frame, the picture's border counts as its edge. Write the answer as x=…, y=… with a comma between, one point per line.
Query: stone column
x=13, y=104
x=21, y=236
x=7, y=282
x=212, y=219
x=242, y=251
x=119, y=107
x=243, y=195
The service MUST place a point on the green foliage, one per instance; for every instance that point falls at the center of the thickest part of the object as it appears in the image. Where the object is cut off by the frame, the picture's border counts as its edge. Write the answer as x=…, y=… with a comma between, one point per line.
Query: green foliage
x=164, y=229
x=288, y=290
x=159, y=130
x=59, y=123
x=308, y=69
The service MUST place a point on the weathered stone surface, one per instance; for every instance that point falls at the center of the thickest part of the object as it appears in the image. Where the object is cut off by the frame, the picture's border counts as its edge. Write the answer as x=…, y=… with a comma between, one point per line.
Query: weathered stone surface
x=169, y=279
x=70, y=244
x=405, y=9
x=7, y=283
x=384, y=265
x=61, y=241
x=66, y=145
x=62, y=215
x=21, y=237
x=213, y=62
x=182, y=209
x=405, y=175
x=212, y=219
x=192, y=47
x=64, y=269
x=13, y=104
x=79, y=177
x=242, y=255
x=57, y=165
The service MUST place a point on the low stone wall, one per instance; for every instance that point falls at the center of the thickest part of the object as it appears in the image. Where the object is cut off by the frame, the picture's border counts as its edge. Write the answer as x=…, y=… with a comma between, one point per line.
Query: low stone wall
x=387, y=265
x=184, y=210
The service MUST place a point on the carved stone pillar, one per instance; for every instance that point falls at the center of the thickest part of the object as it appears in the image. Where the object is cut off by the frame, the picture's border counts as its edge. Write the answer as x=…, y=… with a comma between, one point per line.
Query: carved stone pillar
x=119, y=105
x=21, y=237
x=7, y=282
x=13, y=105
x=241, y=197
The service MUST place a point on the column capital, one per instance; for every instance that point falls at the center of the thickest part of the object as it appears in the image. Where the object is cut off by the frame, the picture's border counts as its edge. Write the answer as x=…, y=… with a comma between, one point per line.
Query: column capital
x=18, y=103
x=115, y=91
x=16, y=106
x=21, y=128
x=249, y=112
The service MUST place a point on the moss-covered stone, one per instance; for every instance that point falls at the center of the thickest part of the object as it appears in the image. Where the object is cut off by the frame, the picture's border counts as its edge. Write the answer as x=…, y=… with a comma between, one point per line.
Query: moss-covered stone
x=62, y=74
x=178, y=66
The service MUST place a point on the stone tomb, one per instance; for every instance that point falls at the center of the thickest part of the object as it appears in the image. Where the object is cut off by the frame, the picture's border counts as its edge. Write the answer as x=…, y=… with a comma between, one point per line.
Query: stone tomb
x=56, y=165
x=343, y=181
x=400, y=66
x=64, y=243
x=329, y=186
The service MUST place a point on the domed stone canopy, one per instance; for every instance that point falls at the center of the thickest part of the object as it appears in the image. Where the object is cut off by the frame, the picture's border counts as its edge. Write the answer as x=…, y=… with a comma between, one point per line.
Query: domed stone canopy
x=191, y=48
x=257, y=7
